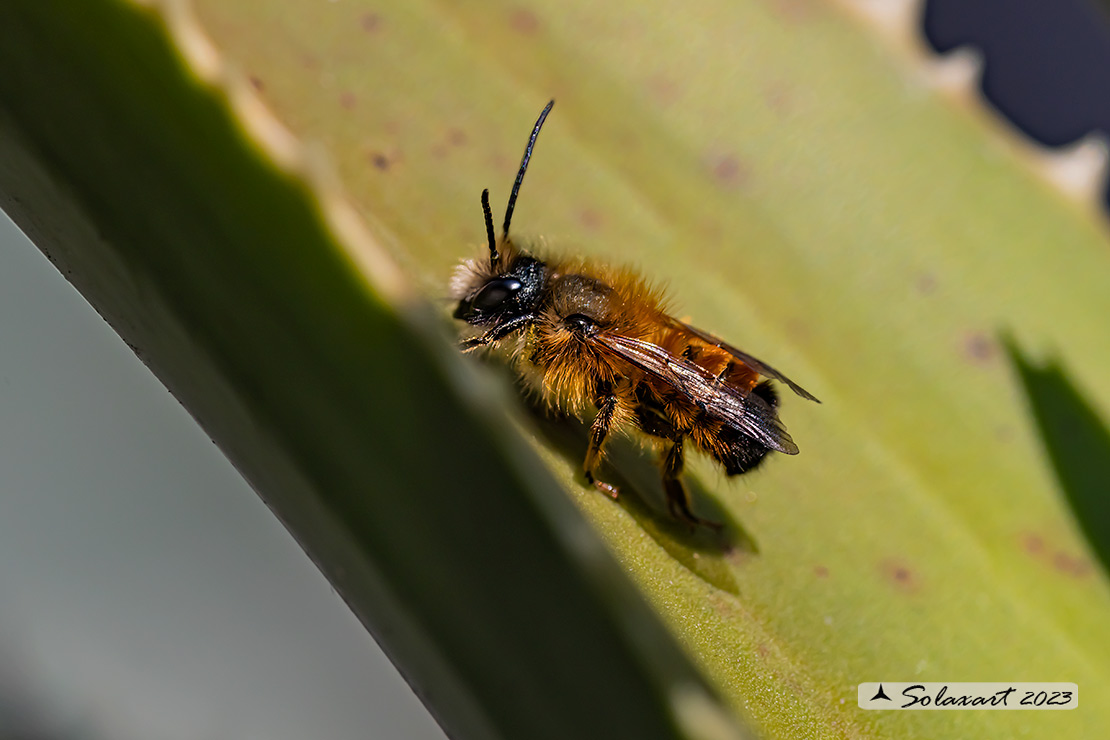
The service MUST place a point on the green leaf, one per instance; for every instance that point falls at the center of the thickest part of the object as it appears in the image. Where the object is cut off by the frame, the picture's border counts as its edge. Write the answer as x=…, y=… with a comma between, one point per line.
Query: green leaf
x=216, y=258
x=804, y=193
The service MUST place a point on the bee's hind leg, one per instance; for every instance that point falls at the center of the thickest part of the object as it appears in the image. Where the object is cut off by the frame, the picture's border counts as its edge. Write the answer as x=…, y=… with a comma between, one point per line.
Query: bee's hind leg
x=678, y=500
x=606, y=408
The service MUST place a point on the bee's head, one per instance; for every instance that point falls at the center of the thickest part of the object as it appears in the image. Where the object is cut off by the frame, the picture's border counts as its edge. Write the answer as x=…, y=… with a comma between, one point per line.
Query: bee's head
x=511, y=283
x=487, y=297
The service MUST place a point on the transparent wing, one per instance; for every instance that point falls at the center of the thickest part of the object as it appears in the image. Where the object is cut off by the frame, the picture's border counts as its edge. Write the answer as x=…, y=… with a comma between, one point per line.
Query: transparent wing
x=750, y=414
x=754, y=363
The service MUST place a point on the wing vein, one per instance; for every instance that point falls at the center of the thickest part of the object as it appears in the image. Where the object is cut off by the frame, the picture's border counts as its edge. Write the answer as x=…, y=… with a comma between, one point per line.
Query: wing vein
x=750, y=414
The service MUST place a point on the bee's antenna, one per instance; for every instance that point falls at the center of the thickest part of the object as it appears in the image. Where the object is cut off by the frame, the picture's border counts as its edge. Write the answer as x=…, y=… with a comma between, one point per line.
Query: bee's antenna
x=523, y=168
x=493, y=255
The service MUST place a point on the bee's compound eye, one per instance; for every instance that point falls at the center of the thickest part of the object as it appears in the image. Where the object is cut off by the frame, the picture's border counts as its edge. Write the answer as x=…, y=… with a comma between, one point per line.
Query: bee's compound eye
x=495, y=292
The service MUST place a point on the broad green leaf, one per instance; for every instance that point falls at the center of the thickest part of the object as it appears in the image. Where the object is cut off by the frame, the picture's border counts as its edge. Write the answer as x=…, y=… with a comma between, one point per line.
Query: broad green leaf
x=805, y=195
x=393, y=463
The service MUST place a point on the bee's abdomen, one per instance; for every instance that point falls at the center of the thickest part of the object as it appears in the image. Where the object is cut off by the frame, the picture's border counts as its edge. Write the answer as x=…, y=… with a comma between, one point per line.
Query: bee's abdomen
x=714, y=360
x=738, y=452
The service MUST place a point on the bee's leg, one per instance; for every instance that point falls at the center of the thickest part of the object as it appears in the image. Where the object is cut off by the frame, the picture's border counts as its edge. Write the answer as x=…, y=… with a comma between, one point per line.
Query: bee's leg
x=497, y=332
x=678, y=500
x=606, y=408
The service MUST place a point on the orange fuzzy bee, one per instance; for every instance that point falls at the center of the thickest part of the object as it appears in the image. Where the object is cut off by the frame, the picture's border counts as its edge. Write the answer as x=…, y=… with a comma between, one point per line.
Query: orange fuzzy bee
x=587, y=335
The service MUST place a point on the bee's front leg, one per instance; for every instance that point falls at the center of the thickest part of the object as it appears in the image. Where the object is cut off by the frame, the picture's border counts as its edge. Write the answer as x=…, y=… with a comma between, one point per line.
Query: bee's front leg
x=496, y=333
x=606, y=408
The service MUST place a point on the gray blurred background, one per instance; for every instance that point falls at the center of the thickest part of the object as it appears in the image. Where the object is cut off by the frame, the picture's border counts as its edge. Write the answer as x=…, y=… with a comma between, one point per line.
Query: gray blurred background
x=145, y=590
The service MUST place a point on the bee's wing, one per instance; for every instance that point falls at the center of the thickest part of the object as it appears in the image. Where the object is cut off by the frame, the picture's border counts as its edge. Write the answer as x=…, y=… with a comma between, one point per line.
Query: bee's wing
x=750, y=414
x=755, y=364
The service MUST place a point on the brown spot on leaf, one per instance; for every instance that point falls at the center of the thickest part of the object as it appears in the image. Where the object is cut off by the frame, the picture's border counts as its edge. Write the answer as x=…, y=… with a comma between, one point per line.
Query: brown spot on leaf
x=979, y=348
x=799, y=328
x=380, y=161
x=371, y=22
x=256, y=83
x=1032, y=543
x=1036, y=546
x=820, y=571
x=1070, y=564
x=926, y=283
x=347, y=100
x=456, y=137
x=591, y=219
x=900, y=575
x=729, y=171
x=711, y=230
x=795, y=11
x=664, y=89
x=778, y=98
x=524, y=21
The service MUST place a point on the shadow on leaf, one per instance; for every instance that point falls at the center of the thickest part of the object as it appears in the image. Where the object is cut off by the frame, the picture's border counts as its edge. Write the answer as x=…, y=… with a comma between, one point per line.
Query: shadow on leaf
x=710, y=554
x=1076, y=440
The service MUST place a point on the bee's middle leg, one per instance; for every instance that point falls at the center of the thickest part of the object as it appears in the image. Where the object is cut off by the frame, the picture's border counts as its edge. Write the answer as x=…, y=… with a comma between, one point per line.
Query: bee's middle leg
x=678, y=500
x=606, y=409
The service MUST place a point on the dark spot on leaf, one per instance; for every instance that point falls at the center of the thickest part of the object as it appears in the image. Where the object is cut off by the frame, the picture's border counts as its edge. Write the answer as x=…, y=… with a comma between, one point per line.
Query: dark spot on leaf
x=590, y=218
x=1032, y=543
x=899, y=574
x=979, y=348
x=926, y=283
x=524, y=21
x=1035, y=546
x=256, y=83
x=711, y=230
x=799, y=328
x=796, y=11
x=380, y=161
x=820, y=571
x=729, y=171
x=778, y=98
x=664, y=89
x=1070, y=564
x=456, y=137
x=371, y=22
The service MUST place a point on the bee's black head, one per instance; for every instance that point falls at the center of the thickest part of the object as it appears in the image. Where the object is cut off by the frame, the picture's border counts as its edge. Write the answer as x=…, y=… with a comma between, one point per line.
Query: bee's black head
x=489, y=300
x=511, y=284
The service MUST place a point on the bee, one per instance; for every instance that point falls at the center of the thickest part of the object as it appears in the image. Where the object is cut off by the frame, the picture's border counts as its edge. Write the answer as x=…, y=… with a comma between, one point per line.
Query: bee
x=590, y=338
